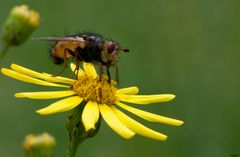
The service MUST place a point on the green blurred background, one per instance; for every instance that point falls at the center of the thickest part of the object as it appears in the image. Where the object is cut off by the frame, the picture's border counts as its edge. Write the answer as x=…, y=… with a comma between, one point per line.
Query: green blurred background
x=188, y=48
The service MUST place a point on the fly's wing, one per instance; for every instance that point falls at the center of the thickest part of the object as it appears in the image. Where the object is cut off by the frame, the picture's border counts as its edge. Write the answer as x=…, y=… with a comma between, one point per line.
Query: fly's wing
x=75, y=39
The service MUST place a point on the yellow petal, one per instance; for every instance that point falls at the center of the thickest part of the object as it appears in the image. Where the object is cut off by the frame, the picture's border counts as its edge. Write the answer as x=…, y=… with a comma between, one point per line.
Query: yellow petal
x=89, y=69
x=25, y=71
x=114, y=123
x=150, y=116
x=45, y=95
x=35, y=74
x=28, y=79
x=129, y=90
x=52, y=78
x=90, y=115
x=146, y=99
x=61, y=106
x=137, y=127
x=80, y=71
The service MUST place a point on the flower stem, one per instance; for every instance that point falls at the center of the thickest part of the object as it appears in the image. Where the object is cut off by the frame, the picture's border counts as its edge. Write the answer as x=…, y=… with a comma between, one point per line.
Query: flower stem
x=72, y=148
x=76, y=129
x=4, y=47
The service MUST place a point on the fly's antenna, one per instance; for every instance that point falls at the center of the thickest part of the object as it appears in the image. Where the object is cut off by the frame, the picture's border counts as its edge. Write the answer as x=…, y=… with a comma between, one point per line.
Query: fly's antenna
x=124, y=49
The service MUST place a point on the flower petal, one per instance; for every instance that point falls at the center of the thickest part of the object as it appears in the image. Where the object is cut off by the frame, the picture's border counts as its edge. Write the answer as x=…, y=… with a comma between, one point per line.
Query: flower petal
x=146, y=99
x=61, y=106
x=31, y=73
x=52, y=78
x=129, y=90
x=90, y=115
x=80, y=71
x=45, y=95
x=137, y=127
x=150, y=116
x=28, y=79
x=89, y=69
x=114, y=123
x=25, y=71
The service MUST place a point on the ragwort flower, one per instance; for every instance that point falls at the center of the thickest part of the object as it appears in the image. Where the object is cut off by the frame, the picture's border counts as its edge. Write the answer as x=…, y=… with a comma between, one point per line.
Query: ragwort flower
x=100, y=96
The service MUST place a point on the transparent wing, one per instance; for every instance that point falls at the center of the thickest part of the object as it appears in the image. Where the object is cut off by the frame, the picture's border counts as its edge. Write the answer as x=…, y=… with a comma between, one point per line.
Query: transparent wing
x=76, y=39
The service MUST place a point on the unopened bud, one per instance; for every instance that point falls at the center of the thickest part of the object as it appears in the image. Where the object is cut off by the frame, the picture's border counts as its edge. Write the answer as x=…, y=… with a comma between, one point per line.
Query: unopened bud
x=39, y=145
x=19, y=25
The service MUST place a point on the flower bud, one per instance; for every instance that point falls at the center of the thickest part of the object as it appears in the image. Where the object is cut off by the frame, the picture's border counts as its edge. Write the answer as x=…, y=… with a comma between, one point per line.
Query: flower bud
x=39, y=145
x=19, y=25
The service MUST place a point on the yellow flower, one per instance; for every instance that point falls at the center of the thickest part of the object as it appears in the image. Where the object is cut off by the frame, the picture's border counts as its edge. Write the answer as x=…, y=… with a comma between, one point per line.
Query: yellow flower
x=100, y=96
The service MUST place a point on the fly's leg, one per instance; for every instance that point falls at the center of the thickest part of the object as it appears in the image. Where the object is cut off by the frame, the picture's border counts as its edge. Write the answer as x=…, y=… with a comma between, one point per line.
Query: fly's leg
x=117, y=73
x=77, y=67
x=100, y=78
x=75, y=71
x=72, y=53
x=108, y=73
x=100, y=71
x=65, y=62
x=78, y=58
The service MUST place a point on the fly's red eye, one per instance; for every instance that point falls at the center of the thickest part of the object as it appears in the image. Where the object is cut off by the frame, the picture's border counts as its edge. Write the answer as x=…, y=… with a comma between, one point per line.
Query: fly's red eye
x=111, y=48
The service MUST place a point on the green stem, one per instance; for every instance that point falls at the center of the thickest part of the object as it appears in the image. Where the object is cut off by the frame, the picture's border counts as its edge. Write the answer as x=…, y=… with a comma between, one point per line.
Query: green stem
x=76, y=129
x=3, y=49
x=72, y=148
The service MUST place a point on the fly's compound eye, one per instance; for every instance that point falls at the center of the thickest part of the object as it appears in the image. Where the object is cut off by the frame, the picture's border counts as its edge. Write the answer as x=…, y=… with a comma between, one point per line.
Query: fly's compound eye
x=111, y=48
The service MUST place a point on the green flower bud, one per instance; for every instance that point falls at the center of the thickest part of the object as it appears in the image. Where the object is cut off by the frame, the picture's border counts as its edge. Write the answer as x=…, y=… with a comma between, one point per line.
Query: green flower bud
x=39, y=145
x=19, y=25
x=77, y=131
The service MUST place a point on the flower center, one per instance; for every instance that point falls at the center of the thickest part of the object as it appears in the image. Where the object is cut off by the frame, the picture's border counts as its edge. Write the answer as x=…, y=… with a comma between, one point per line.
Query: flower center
x=96, y=89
